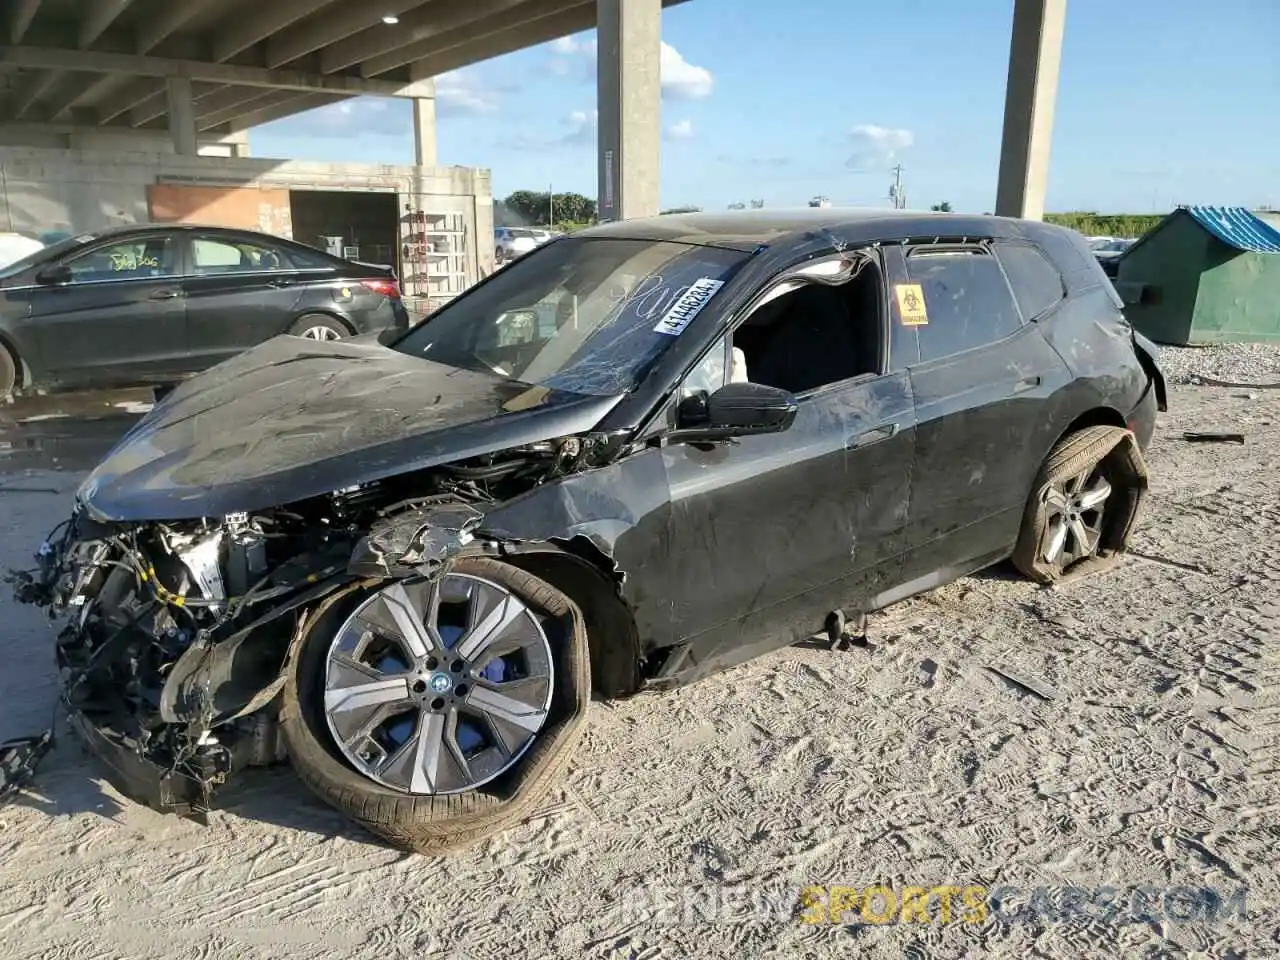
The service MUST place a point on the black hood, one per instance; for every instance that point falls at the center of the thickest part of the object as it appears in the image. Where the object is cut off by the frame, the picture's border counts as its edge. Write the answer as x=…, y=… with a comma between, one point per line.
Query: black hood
x=296, y=418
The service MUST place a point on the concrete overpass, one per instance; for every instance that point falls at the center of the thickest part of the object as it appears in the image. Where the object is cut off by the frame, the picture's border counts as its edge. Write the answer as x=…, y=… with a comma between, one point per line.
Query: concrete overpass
x=211, y=68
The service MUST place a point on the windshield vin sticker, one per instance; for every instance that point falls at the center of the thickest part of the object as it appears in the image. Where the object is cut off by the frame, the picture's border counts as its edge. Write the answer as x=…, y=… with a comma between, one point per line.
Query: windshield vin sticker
x=688, y=306
x=911, y=308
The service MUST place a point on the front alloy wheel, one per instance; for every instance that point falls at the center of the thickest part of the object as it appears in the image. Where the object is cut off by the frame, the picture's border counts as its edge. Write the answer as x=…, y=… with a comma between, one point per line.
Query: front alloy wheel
x=438, y=713
x=438, y=687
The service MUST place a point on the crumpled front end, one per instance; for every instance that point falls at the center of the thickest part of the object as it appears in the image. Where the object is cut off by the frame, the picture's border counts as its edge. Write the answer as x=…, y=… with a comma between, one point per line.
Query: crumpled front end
x=156, y=674
x=176, y=634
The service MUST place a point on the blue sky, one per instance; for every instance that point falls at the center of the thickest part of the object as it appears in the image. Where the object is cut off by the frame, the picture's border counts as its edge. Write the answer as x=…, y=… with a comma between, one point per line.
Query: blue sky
x=1160, y=102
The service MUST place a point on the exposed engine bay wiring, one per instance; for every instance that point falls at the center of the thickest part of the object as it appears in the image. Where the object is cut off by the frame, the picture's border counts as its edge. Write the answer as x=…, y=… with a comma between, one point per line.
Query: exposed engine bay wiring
x=158, y=614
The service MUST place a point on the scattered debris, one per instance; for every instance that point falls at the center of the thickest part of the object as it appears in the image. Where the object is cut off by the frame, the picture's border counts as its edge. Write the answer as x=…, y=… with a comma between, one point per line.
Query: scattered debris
x=1042, y=690
x=1213, y=437
x=1199, y=379
x=18, y=761
x=1165, y=561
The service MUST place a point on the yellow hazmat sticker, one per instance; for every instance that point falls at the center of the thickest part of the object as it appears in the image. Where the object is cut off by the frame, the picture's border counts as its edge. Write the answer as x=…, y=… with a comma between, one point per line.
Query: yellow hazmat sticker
x=911, y=308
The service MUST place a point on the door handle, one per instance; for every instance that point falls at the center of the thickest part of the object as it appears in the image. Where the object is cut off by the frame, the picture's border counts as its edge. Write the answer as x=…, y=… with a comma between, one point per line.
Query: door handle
x=164, y=295
x=868, y=437
x=279, y=283
x=1026, y=383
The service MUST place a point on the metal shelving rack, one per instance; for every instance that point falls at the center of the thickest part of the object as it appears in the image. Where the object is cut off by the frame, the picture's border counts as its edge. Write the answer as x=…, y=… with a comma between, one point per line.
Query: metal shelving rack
x=433, y=256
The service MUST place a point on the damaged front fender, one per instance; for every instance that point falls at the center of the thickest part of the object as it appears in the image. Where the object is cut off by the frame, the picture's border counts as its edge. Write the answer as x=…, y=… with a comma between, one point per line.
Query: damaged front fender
x=216, y=682
x=415, y=542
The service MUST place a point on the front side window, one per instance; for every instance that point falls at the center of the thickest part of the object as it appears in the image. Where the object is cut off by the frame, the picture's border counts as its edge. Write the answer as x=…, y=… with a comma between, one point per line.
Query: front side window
x=813, y=335
x=1036, y=282
x=967, y=302
x=133, y=259
x=211, y=256
x=589, y=314
x=711, y=372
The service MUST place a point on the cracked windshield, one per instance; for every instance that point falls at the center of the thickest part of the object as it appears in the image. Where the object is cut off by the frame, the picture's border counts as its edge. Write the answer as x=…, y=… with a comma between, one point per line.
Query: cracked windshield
x=586, y=315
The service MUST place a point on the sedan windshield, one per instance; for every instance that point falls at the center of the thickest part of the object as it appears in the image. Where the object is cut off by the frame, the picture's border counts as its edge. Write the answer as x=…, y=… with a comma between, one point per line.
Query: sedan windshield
x=589, y=315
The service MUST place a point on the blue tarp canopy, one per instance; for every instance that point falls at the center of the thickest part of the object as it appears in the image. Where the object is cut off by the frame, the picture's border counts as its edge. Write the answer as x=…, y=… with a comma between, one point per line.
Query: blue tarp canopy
x=1238, y=228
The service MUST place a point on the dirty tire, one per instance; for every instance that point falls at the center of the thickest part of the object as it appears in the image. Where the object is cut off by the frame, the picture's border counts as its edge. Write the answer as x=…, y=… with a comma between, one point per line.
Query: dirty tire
x=309, y=321
x=1115, y=452
x=8, y=373
x=444, y=823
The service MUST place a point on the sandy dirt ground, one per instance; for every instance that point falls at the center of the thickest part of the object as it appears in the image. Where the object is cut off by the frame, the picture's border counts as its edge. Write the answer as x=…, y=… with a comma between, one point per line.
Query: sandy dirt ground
x=1151, y=763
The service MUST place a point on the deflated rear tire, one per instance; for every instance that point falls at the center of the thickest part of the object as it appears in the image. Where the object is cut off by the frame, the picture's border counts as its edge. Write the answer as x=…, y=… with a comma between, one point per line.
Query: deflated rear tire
x=436, y=714
x=1083, y=505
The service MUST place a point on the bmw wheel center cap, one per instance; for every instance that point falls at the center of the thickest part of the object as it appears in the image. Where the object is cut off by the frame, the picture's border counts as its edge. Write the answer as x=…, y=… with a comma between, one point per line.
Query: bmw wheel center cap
x=440, y=682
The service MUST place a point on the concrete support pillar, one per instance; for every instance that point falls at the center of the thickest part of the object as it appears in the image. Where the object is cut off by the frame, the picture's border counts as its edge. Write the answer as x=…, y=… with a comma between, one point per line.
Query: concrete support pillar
x=1035, y=55
x=629, y=97
x=424, y=131
x=182, y=117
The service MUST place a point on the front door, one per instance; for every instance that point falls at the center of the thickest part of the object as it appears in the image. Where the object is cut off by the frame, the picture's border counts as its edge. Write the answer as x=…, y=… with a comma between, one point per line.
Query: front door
x=240, y=292
x=771, y=533
x=119, y=320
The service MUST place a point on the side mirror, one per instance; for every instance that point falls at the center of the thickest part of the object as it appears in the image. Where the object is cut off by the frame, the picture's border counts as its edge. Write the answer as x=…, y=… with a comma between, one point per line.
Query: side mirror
x=735, y=410
x=56, y=274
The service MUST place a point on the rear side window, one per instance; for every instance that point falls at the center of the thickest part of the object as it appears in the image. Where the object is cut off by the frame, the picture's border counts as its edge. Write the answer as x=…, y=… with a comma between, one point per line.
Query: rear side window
x=1037, y=284
x=234, y=256
x=967, y=301
x=307, y=260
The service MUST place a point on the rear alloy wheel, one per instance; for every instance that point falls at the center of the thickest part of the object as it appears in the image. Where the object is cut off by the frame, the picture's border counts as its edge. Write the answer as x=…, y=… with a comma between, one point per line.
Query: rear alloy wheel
x=438, y=712
x=1084, y=504
x=318, y=327
x=1074, y=511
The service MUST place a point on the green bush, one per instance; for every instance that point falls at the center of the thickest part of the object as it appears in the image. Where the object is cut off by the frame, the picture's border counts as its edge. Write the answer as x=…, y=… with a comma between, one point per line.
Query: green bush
x=1106, y=224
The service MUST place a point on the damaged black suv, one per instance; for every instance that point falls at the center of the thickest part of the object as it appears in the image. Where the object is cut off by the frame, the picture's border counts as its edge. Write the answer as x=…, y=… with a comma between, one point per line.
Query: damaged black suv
x=637, y=455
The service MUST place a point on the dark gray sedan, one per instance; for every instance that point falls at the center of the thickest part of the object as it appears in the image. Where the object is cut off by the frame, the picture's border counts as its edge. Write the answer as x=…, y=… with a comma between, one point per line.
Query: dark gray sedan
x=151, y=304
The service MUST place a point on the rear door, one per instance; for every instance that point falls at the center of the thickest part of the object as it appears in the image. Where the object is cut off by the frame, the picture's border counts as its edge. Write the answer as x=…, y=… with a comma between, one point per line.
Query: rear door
x=982, y=377
x=119, y=320
x=240, y=291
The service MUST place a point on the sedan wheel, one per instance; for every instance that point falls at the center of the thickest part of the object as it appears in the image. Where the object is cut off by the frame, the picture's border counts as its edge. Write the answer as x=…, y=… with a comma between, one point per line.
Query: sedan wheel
x=436, y=713
x=438, y=687
x=317, y=326
x=1084, y=503
x=321, y=332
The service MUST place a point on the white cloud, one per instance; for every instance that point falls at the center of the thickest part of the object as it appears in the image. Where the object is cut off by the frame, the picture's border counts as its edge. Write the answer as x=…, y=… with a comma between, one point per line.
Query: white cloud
x=680, y=130
x=681, y=80
x=579, y=131
x=582, y=127
x=875, y=147
x=459, y=93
